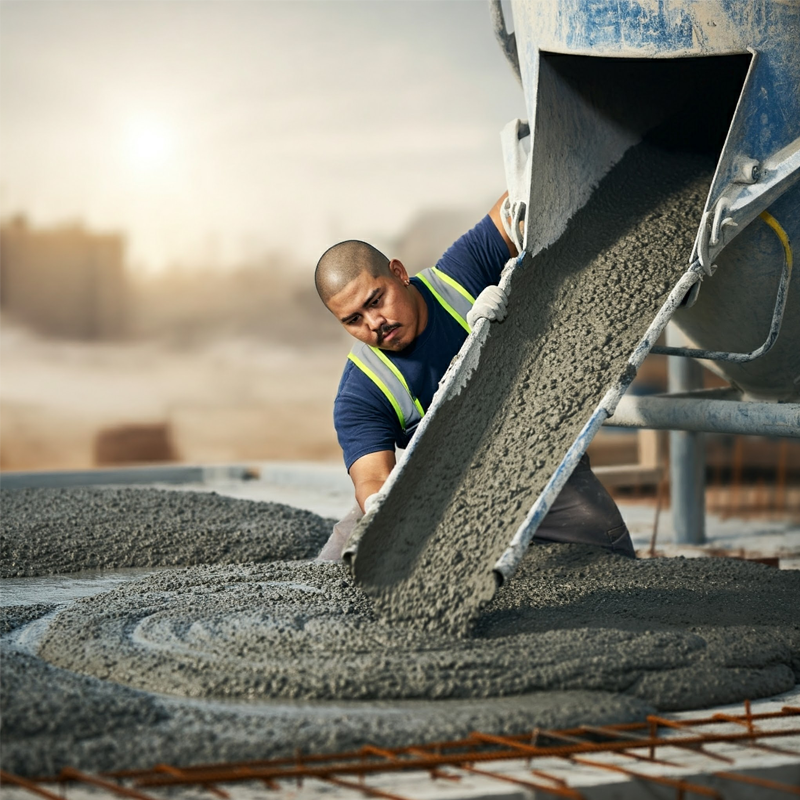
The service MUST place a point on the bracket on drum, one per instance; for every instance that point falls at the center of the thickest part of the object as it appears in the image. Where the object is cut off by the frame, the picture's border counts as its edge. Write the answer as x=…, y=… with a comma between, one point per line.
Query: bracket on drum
x=777, y=314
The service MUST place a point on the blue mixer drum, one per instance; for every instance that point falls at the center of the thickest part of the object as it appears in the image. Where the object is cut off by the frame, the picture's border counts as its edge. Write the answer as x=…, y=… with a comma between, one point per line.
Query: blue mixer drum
x=714, y=76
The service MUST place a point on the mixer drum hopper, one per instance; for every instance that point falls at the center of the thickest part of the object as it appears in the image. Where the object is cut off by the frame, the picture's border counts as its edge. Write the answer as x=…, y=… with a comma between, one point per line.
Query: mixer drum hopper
x=717, y=76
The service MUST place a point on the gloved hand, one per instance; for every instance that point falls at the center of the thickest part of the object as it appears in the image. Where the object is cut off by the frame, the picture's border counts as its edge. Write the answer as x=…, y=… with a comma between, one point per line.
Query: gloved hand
x=332, y=551
x=489, y=304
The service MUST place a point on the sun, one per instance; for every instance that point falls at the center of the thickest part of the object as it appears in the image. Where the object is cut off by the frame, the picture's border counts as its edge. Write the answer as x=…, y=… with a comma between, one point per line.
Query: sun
x=149, y=142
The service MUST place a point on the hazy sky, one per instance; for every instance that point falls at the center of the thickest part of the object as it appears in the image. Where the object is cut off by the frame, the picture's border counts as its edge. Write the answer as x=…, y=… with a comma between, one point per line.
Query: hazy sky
x=212, y=130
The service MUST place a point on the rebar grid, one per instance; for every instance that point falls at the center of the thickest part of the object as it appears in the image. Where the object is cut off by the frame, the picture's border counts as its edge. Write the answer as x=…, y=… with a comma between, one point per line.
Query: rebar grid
x=444, y=760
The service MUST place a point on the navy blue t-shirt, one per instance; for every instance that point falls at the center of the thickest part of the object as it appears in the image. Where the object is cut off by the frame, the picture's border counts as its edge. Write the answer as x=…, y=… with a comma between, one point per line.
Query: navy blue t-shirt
x=364, y=418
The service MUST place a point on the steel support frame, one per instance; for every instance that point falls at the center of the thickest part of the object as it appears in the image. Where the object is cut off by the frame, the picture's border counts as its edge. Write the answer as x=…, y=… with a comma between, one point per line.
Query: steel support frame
x=700, y=412
x=687, y=455
x=688, y=413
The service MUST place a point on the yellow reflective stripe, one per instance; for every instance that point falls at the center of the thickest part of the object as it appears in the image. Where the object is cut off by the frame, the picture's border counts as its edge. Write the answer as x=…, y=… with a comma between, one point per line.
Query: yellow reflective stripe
x=399, y=375
x=381, y=385
x=455, y=284
x=445, y=305
x=781, y=233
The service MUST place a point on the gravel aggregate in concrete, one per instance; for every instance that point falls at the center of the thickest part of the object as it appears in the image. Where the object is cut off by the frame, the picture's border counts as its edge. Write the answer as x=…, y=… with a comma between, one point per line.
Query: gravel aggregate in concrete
x=675, y=633
x=52, y=718
x=236, y=662
x=153, y=729
x=51, y=531
x=13, y=617
x=576, y=311
x=40, y=701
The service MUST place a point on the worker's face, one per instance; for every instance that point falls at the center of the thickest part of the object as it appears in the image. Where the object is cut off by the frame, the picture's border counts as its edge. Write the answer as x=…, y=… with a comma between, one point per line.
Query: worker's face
x=381, y=311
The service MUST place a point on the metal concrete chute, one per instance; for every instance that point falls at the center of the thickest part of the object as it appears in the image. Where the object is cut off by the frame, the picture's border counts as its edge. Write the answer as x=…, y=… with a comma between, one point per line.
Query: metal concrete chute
x=588, y=112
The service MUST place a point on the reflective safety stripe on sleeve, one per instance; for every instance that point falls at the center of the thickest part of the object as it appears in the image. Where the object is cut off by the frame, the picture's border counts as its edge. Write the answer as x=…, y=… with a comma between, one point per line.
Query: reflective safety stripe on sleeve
x=444, y=304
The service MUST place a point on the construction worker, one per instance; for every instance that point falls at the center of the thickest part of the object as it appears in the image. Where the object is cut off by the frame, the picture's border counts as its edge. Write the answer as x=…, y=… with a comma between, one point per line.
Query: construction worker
x=408, y=330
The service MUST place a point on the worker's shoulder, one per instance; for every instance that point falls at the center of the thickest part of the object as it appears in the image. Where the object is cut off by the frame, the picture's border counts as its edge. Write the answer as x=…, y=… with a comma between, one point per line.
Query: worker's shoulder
x=349, y=377
x=476, y=259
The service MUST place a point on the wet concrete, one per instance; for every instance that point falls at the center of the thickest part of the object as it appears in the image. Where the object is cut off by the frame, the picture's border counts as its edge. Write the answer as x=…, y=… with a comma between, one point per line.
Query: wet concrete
x=237, y=662
x=54, y=718
x=674, y=633
x=43, y=705
x=576, y=312
x=14, y=617
x=51, y=531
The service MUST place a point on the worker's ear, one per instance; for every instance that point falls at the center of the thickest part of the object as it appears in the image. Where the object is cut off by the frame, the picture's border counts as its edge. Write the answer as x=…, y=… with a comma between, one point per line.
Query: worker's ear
x=398, y=270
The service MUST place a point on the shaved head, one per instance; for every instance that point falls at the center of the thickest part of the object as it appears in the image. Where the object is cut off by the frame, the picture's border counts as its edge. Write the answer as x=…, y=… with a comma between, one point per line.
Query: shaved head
x=343, y=263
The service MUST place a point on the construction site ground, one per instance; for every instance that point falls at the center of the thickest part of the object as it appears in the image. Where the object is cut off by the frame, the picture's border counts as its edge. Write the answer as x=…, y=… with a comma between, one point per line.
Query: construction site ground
x=751, y=752
x=326, y=490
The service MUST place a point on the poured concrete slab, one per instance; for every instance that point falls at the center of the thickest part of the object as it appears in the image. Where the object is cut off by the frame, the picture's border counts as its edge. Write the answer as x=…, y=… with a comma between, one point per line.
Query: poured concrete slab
x=578, y=638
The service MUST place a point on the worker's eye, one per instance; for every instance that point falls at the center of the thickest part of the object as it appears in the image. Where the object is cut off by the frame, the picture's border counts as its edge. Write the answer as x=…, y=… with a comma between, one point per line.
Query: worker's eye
x=375, y=302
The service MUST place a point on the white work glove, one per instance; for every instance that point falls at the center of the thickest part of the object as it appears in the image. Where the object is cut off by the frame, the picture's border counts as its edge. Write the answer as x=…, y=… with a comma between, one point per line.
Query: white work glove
x=332, y=551
x=490, y=304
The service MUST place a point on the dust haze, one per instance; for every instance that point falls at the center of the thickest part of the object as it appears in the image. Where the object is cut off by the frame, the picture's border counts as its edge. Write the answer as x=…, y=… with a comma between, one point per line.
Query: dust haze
x=195, y=364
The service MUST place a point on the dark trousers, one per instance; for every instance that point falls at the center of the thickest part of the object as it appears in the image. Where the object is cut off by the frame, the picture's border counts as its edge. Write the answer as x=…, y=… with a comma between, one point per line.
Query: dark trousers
x=585, y=513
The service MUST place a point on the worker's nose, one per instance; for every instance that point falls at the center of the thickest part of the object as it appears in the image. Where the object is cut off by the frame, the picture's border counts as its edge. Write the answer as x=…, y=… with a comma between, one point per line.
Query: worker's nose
x=375, y=320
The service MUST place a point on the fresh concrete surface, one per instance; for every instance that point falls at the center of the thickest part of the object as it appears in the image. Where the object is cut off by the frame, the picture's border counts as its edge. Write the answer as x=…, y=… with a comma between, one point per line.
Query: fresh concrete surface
x=674, y=633
x=49, y=531
x=186, y=730
x=579, y=635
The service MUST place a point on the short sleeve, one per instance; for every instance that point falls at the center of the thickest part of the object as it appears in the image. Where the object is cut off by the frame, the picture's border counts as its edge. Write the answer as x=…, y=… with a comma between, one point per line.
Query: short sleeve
x=364, y=419
x=477, y=258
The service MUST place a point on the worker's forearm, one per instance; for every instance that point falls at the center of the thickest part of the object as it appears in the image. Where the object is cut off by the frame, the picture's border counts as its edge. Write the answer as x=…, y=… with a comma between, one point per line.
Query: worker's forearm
x=496, y=217
x=365, y=489
x=370, y=472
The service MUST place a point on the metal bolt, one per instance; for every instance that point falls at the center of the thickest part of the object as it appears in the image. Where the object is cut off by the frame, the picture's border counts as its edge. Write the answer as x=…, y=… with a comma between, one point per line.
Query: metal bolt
x=747, y=170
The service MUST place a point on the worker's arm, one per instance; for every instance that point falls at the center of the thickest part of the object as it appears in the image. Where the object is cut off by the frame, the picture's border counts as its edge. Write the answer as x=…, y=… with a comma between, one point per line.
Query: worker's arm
x=491, y=302
x=370, y=472
x=495, y=214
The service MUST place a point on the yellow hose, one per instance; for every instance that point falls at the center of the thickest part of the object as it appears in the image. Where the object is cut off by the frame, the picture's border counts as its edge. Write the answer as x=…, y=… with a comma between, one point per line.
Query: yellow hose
x=781, y=234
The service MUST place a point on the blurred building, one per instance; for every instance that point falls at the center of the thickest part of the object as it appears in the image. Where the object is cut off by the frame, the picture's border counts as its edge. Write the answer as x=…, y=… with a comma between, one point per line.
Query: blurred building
x=63, y=281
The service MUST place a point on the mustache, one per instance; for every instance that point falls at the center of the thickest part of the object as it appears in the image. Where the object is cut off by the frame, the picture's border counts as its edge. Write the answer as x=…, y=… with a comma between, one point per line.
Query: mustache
x=385, y=329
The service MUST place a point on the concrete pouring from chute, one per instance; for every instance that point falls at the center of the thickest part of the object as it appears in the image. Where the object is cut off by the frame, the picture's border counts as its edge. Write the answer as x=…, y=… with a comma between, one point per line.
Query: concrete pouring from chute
x=601, y=81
